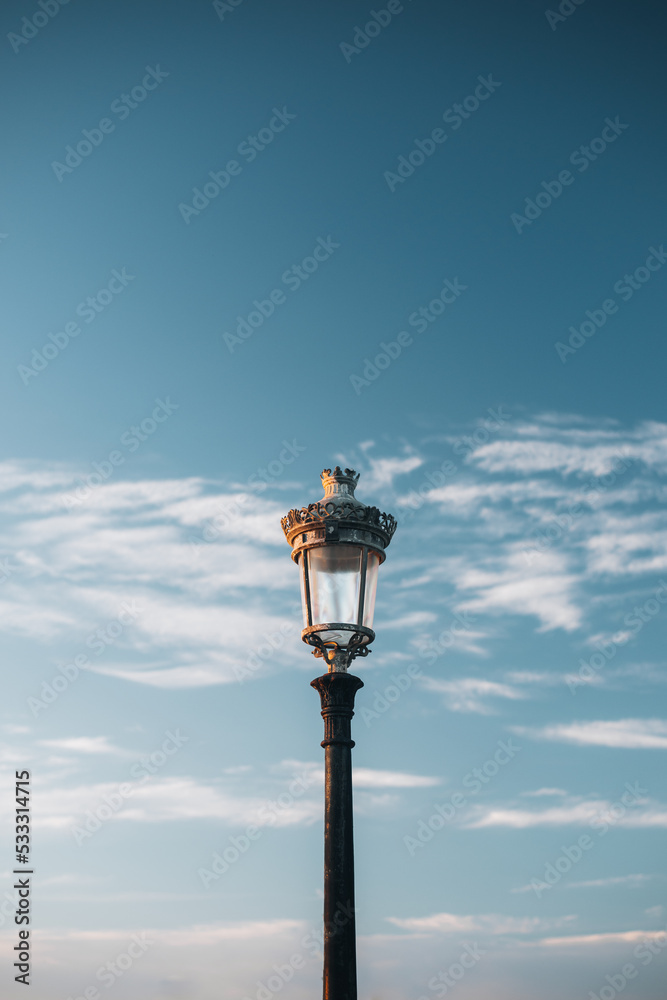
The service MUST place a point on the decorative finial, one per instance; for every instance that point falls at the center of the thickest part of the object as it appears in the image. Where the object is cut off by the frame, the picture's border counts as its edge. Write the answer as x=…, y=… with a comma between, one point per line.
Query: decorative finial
x=338, y=473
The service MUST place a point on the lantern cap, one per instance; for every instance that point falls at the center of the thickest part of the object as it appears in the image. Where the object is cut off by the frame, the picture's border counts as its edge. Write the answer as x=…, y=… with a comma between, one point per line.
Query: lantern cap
x=340, y=509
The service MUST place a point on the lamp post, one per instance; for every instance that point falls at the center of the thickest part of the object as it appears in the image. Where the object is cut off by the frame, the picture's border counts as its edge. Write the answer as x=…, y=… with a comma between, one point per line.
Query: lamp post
x=339, y=544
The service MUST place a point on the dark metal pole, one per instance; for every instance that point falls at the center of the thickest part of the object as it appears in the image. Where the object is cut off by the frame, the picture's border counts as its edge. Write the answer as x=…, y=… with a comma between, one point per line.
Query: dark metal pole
x=337, y=690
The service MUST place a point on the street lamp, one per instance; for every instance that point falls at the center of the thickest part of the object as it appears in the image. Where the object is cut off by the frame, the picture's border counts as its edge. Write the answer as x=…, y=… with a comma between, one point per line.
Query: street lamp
x=339, y=544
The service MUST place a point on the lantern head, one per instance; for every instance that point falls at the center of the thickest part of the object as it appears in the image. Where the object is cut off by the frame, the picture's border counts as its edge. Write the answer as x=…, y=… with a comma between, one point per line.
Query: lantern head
x=339, y=544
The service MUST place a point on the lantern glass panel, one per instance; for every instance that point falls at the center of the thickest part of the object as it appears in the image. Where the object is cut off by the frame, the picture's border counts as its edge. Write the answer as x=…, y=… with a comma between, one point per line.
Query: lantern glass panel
x=304, y=595
x=372, y=567
x=334, y=572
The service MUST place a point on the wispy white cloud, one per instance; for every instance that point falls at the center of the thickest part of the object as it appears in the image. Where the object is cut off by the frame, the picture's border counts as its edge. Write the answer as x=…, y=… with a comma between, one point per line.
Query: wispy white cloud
x=196, y=562
x=489, y=923
x=365, y=777
x=294, y=785
x=631, y=881
x=628, y=734
x=550, y=507
x=200, y=934
x=534, y=677
x=208, y=562
x=624, y=546
x=415, y=619
x=470, y=694
x=84, y=745
x=509, y=585
x=578, y=812
x=640, y=812
x=578, y=941
x=439, y=922
x=552, y=446
x=169, y=799
x=383, y=471
x=540, y=792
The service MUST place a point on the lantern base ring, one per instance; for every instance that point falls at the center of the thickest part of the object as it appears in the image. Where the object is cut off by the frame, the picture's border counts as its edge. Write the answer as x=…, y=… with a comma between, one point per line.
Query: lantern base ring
x=336, y=656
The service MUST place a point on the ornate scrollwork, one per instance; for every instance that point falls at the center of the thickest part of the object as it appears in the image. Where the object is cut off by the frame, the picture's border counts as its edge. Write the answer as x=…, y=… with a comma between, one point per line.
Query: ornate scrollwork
x=328, y=650
x=341, y=511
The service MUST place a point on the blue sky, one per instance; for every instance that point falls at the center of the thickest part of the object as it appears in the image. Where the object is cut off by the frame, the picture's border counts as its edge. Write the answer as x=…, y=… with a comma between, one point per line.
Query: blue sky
x=434, y=254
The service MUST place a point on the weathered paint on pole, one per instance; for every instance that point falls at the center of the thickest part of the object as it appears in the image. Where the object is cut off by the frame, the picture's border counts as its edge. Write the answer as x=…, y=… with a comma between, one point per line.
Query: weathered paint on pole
x=337, y=690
